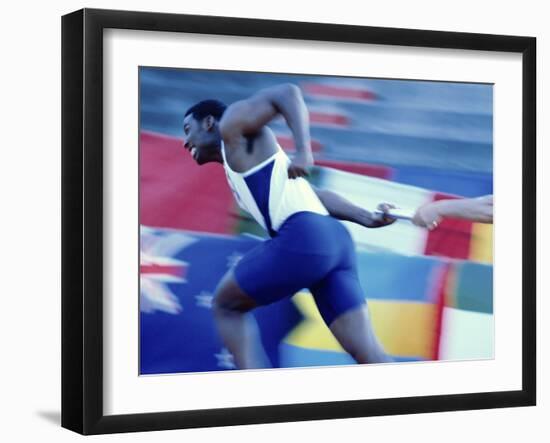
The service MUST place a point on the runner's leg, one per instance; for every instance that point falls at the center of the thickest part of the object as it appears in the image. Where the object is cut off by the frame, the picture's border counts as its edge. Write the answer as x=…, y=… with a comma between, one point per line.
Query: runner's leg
x=340, y=300
x=237, y=326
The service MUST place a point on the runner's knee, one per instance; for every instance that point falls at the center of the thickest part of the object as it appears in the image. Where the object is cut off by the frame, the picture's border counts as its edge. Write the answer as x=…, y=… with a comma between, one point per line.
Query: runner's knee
x=229, y=298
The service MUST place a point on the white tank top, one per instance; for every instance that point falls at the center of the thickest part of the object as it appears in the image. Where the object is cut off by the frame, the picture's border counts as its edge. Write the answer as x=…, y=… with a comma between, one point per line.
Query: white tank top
x=268, y=195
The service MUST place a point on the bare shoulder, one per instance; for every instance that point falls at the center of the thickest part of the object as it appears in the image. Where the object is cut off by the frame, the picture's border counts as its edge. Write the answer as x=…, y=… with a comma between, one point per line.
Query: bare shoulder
x=249, y=116
x=230, y=123
x=232, y=131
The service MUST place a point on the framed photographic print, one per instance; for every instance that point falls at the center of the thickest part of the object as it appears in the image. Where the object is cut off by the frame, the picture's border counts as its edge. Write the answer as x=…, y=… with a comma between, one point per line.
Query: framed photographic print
x=269, y=221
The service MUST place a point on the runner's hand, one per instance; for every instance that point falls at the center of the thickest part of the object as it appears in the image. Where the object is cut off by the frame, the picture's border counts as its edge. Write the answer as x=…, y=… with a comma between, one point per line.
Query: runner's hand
x=383, y=219
x=300, y=165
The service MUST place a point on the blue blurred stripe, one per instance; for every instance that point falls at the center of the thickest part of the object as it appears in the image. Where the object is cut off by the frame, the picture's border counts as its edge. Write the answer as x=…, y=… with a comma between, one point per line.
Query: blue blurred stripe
x=295, y=356
x=398, y=277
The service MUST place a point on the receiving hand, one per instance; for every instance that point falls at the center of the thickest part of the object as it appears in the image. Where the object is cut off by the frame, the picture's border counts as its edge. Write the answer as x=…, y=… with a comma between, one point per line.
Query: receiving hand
x=427, y=217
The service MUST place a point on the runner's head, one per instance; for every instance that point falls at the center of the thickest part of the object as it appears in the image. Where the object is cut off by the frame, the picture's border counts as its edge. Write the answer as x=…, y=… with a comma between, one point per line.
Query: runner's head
x=202, y=135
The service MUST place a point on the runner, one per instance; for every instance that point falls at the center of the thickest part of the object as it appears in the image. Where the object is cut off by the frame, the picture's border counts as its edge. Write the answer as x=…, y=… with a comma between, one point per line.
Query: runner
x=308, y=248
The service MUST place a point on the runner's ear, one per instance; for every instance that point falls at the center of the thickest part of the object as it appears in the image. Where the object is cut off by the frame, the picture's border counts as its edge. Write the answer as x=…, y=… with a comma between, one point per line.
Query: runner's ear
x=208, y=122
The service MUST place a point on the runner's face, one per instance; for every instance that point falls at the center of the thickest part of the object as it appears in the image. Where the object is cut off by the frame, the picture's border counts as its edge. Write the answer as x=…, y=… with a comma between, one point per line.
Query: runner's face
x=198, y=139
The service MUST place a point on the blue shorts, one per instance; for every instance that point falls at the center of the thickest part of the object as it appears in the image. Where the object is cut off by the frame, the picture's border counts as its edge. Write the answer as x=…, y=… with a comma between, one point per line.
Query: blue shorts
x=310, y=251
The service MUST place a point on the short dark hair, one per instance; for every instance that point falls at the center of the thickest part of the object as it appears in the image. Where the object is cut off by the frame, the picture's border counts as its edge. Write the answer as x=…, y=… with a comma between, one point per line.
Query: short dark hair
x=202, y=109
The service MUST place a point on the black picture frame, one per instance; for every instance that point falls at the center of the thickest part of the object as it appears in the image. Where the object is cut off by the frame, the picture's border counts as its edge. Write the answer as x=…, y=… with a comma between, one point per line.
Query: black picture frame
x=82, y=218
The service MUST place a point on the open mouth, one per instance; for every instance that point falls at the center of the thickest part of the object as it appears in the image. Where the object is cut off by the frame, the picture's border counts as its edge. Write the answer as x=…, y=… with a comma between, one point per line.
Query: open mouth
x=194, y=153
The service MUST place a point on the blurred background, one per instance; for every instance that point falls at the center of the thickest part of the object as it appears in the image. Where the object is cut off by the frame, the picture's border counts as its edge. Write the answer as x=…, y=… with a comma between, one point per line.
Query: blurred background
x=374, y=140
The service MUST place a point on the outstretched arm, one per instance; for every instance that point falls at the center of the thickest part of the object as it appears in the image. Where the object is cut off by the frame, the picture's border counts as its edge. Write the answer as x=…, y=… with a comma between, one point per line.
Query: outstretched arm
x=475, y=209
x=342, y=209
x=249, y=116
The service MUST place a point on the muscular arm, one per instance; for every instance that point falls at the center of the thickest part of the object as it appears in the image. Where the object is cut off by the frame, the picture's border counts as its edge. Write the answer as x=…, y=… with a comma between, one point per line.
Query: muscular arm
x=342, y=209
x=251, y=115
x=475, y=209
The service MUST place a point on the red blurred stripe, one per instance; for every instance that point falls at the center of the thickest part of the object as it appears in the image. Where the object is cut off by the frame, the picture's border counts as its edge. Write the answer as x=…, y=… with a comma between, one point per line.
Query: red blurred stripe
x=287, y=143
x=175, y=270
x=453, y=236
x=443, y=275
x=339, y=92
x=358, y=168
x=174, y=192
x=324, y=118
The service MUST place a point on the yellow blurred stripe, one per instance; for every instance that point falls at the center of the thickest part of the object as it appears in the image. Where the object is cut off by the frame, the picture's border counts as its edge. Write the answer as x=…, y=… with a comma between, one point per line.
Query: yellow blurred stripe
x=311, y=333
x=481, y=246
x=404, y=328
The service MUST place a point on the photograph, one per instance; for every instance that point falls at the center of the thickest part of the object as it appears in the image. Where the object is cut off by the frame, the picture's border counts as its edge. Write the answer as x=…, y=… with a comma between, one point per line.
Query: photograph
x=297, y=220
x=270, y=221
